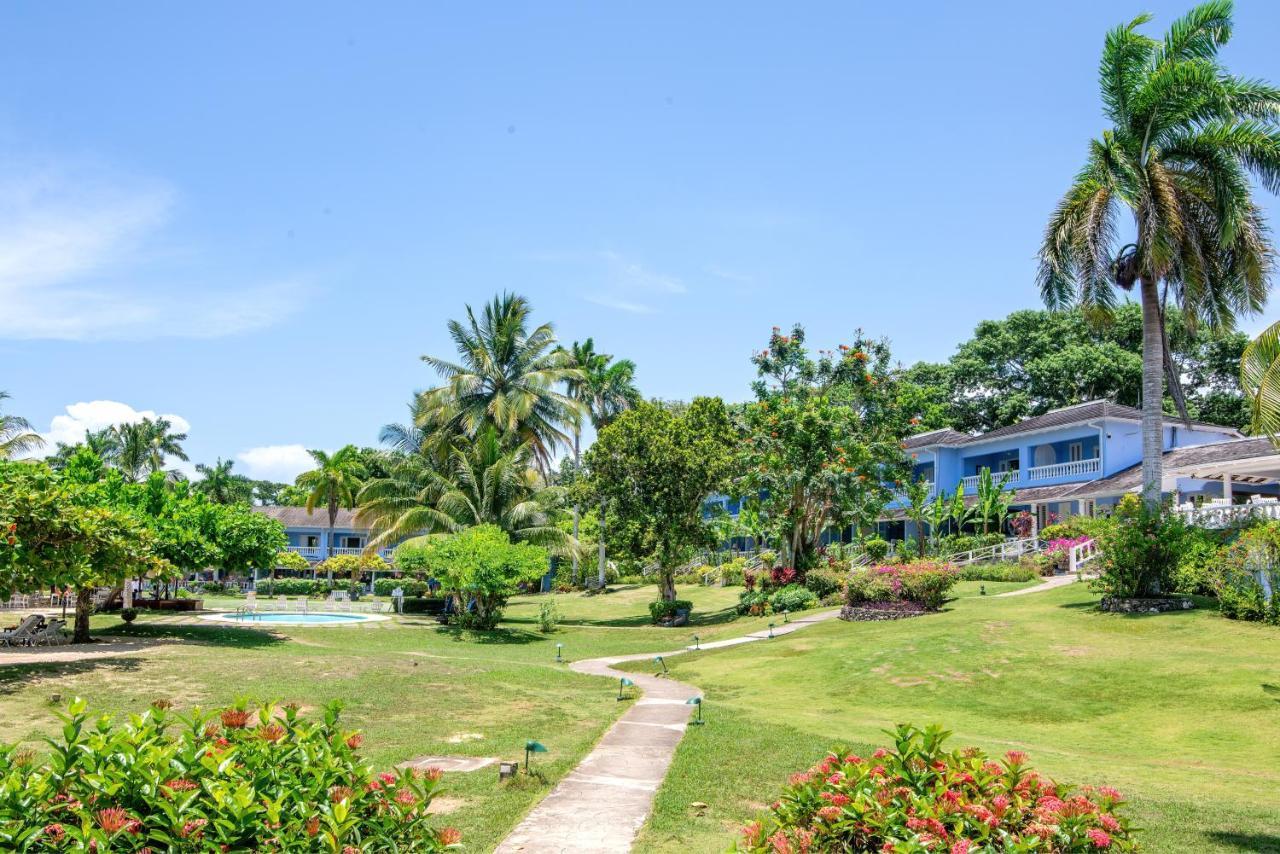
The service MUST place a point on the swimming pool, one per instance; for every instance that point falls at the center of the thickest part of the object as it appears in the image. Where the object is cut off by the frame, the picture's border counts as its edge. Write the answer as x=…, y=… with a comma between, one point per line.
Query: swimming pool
x=284, y=618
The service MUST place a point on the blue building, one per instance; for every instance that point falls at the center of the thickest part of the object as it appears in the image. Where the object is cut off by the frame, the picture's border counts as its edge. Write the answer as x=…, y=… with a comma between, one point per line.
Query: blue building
x=1081, y=459
x=309, y=534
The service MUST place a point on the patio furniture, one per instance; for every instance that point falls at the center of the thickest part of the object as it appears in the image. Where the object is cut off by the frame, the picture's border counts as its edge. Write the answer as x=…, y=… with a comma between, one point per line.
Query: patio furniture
x=18, y=602
x=251, y=601
x=50, y=635
x=282, y=603
x=24, y=633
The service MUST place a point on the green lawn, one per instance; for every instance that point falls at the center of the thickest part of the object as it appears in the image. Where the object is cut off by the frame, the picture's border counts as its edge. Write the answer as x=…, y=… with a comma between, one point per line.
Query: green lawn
x=1180, y=711
x=414, y=687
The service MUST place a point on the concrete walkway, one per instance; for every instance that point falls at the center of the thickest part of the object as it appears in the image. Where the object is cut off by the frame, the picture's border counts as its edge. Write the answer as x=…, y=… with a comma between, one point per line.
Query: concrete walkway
x=1052, y=584
x=601, y=804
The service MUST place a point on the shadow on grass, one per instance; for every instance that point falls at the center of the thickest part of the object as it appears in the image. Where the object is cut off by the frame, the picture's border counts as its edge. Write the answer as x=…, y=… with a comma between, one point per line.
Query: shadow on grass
x=13, y=675
x=1272, y=690
x=499, y=636
x=633, y=621
x=1092, y=607
x=1261, y=842
x=232, y=636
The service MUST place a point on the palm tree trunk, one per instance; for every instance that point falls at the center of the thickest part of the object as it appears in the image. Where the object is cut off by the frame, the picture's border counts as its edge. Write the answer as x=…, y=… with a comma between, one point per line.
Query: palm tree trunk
x=602, y=562
x=577, y=511
x=1152, y=395
x=328, y=545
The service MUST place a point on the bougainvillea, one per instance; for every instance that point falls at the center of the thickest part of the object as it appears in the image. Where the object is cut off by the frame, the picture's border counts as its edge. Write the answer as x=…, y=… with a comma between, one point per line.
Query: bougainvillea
x=919, y=797
x=235, y=779
x=924, y=584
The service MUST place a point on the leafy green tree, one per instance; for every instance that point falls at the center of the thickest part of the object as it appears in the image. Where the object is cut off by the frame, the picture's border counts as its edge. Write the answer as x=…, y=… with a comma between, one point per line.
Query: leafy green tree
x=144, y=447
x=16, y=435
x=1260, y=376
x=333, y=483
x=604, y=390
x=1185, y=137
x=221, y=485
x=823, y=443
x=479, y=482
x=479, y=567
x=919, y=508
x=507, y=378
x=290, y=560
x=656, y=469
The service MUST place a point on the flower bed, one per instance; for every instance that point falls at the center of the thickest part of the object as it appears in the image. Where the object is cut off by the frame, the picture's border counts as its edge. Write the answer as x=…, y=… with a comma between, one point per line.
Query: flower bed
x=871, y=611
x=922, y=585
x=234, y=780
x=919, y=797
x=1121, y=605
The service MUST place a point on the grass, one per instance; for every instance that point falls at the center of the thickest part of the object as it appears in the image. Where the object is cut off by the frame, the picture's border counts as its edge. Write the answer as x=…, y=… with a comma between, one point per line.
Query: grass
x=415, y=688
x=1179, y=711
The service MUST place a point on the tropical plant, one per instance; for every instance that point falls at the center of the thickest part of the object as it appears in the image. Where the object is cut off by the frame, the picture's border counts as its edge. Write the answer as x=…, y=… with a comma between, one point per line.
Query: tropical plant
x=1185, y=138
x=333, y=483
x=604, y=389
x=920, y=508
x=221, y=485
x=1140, y=551
x=506, y=378
x=16, y=435
x=993, y=500
x=291, y=561
x=1260, y=379
x=143, y=447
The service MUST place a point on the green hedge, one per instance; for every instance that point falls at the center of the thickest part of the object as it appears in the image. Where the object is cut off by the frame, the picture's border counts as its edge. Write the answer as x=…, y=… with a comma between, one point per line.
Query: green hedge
x=662, y=609
x=792, y=598
x=411, y=586
x=1006, y=571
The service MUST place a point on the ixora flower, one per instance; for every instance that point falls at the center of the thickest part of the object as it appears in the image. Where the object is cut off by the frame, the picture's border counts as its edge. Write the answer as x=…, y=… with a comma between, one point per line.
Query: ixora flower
x=924, y=797
x=235, y=718
x=450, y=836
x=113, y=819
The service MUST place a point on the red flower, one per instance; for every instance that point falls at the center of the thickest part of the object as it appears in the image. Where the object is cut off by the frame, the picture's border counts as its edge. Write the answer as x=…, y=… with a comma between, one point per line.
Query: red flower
x=355, y=741
x=433, y=773
x=960, y=846
x=54, y=832
x=406, y=797
x=450, y=836
x=271, y=732
x=751, y=834
x=113, y=819
x=1016, y=757
x=235, y=718
x=340, y=793
x=1099, y=838
x=313, y=825
x=387, y=777
x=839, y=800
x=193, y=828
x=829, y=813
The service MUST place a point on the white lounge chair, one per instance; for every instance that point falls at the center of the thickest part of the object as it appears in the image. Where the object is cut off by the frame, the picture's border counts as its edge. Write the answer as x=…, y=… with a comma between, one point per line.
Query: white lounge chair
x=251, y=600
x=50, y=635
x=282, y=603
x=24, y=633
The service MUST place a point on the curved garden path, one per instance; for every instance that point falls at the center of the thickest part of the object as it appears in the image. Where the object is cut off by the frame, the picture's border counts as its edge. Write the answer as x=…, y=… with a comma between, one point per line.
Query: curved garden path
x=1054, y=582
x=602, y=803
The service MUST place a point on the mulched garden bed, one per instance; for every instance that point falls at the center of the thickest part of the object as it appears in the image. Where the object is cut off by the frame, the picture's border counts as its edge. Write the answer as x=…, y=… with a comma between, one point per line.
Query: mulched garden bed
x=870, y=611
x=1118, y=605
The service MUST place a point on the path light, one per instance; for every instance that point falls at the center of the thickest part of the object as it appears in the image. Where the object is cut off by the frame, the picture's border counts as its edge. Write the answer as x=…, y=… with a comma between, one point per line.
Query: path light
x=785, y=616
x=696, y=701
x=623, y=683
x=771, y=630
x=531, y=746
x=982, y=590
x=658, y=660
x=695, y=643
x=559, y=647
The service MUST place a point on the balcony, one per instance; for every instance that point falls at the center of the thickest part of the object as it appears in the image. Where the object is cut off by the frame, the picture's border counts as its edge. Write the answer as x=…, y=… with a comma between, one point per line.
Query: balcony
x=318, y=553
x=970, y=483
x=1079, y=468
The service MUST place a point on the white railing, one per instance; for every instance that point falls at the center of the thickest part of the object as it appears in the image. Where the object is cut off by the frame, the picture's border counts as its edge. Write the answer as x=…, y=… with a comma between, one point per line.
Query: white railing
x=320, y=553
x=1007, y=550
x=1074, y=469
x=971, y=482
x=1226, y=515
x=1081, y=554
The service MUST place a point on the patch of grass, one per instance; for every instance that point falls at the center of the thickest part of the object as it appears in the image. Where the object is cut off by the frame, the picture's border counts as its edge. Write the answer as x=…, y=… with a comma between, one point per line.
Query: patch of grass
x=1178, y=713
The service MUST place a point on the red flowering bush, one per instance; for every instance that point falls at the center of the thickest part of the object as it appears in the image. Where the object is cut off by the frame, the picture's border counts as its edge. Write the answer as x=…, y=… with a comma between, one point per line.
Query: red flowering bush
x=919, y=797
x=924, y=585
x=230, y=780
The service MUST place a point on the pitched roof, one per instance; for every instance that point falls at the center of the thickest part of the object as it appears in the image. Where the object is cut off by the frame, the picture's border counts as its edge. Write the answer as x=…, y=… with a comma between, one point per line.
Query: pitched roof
x=1093, y=410
x=298, y=517
x=945, y=436
x=1183, y=462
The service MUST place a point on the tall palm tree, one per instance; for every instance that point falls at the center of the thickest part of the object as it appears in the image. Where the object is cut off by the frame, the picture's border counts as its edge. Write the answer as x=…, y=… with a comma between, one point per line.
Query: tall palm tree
x=334, y=483
x=506, y=377
x=16, y=435
x=1185, y=137
x=604, y=389
x=479, y=482
x=1260, y=380
x=144, y=446
x=221, y=485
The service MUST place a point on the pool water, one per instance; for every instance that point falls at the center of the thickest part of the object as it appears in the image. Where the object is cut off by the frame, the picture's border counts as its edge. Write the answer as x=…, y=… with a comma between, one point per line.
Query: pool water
x=298, y=619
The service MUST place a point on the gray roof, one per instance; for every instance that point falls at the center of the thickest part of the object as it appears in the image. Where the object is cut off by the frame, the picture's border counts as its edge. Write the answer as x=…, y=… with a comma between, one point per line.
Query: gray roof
x=298, y=517
x=1080, y=413
x=945, y=436
x=1182, y=462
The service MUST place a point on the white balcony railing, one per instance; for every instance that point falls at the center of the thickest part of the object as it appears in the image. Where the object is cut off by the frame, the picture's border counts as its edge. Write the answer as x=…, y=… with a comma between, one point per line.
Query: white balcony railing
x=971, y=482
x=1226, y=515
x=1075, y=469
x=320, y=553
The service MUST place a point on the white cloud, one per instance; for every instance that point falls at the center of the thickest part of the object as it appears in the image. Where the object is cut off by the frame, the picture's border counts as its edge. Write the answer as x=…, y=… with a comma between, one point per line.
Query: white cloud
x=98, y=414
x=631, y=274
x=275, y=462
x=728, y=275
x=78, y=260
x=620, y=304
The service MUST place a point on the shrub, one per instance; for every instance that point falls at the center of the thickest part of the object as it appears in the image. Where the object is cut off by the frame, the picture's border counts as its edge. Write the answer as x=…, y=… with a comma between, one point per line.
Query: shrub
x=779, y=576
x=731, y=571
x=752, y=602
x=662, y=609
x=925, y=584
x=1004, y=571
x=957, y=543
x=823, y=581
x=876, y=548
x=1139, y=552
x=129, y=614
x=1201, y=562
x=235, y=779
x=548, y=617
x=1244, y=566
x=792, y=598
x=1076, y=526
x=292, y=560
x=768, y=558
x=920, y=797
x=292, y=587
x=411, y=586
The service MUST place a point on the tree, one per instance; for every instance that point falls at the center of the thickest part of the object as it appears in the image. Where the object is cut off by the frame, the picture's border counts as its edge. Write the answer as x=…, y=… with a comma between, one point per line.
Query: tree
x=479, y=567
x=16, y=435
x=604, y=390
x=221, y=485
x=656, y=469
x=479, y=482
x=919, y=506
x=143, y=447
x=334, y=483
x=1260, y=377
x=291, y=561
x=1185, y=138
x=823, y=443
x=506, y=378
x=993, y=500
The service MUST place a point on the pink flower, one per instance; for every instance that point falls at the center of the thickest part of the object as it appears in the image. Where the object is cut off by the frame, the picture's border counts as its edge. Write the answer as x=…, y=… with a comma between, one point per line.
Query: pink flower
x=880, y=753
x=54, y=832
x=1016, y=757
x=839, y=800
x=960, y=846
x=1109, y=822
x=1099, y=838
x=450, y=836
x=113, y=819
x=829, y=813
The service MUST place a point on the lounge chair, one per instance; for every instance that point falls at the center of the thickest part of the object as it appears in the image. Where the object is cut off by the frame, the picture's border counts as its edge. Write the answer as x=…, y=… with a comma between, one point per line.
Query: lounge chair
x=282, y=603
x=50, y=635
x=24, y=633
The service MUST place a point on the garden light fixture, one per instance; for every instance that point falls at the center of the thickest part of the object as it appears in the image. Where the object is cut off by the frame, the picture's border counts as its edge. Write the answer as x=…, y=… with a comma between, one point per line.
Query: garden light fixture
x=696, y=701
x=531, y=746
x=658, y=660
x=623, y=683
x=559, y=647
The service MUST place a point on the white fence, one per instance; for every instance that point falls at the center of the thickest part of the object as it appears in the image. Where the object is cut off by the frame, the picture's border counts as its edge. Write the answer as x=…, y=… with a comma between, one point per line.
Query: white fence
x=1079, y=467
x=1008, y=550
x=1226, y=515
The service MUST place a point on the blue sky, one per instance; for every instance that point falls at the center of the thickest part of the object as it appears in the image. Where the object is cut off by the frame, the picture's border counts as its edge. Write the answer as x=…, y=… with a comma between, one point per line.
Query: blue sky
x=256, y=217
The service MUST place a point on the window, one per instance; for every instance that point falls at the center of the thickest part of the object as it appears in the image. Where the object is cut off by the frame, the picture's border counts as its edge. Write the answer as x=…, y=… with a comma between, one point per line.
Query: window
x=351, y=542
x=1075, y=452
x=310, y=541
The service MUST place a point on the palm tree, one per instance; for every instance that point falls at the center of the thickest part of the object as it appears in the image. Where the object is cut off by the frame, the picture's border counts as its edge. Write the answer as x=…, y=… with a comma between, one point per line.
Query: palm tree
x=221, y=485
x=143, y=447
x=334, y=483
x=604, y=389
x=506, y=377
x=1185, y=138
x=479, y=482
x=16, y=435
x=1260, y=380
x=993, y=502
